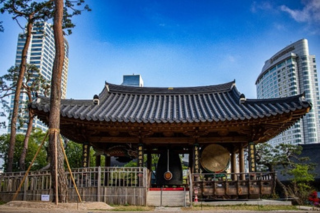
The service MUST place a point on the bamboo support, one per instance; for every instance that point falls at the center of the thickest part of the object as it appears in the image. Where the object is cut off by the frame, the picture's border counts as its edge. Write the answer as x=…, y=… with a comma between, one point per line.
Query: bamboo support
x=26, y=174
x=71, y=175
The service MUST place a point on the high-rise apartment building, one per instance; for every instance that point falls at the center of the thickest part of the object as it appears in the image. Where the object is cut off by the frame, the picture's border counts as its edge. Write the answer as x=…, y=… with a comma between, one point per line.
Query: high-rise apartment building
x=132, y=80
x=41, y=52
x=289, y=72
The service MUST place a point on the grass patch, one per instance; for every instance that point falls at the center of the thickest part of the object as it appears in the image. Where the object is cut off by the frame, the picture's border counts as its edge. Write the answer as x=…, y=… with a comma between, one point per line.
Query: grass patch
x=131, y=208
x=240, y=207
x=2, y=202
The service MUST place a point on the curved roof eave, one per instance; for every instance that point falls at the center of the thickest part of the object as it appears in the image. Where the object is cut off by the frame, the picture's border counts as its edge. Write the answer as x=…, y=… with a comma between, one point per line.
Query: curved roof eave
x=113, y=88
x=215, y=103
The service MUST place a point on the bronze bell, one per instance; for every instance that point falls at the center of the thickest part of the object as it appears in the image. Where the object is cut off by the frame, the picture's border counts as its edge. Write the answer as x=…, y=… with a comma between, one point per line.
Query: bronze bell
x=169, y=169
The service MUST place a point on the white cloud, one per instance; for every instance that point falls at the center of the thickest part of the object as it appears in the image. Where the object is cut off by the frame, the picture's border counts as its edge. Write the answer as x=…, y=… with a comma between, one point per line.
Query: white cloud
x=309, y=14
x=231, y=58
x=260, y=6
x=279, y=26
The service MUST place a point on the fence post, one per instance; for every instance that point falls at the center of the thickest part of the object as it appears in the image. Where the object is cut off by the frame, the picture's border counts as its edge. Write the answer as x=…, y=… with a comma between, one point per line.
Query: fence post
x=161, y=196
x=145, y=174
x=98, y=184
x=25, y=187
x=191, y=187
x=145, y=177
x=184, y=194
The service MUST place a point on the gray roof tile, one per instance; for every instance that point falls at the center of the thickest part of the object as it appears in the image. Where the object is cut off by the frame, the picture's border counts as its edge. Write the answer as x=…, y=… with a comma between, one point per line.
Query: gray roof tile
x=189, y=104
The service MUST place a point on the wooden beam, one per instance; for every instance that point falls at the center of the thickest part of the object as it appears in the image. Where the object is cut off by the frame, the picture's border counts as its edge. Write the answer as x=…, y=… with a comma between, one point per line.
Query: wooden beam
x=236, y=139
x=168, y=140
x=98, y=139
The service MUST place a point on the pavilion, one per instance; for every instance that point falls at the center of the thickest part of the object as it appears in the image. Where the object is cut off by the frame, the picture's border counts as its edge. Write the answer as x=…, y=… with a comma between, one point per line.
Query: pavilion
x=136, y=121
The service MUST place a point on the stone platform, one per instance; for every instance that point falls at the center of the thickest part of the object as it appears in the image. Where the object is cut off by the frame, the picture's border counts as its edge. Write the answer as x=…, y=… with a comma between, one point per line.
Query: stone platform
x=247, y=202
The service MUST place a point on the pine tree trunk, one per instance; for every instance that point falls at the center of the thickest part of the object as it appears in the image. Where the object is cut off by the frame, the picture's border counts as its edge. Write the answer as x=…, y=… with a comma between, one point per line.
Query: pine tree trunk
x=22, y=161
x=55, y=100
x=25, y=143
x=284, y=189
x=14, y=117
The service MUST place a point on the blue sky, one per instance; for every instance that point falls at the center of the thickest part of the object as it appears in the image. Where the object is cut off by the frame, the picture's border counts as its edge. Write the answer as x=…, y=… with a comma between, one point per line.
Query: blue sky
x=177, y=43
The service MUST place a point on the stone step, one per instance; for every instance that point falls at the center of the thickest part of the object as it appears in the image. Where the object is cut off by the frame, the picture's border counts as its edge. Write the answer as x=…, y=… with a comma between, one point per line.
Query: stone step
x=169, y=198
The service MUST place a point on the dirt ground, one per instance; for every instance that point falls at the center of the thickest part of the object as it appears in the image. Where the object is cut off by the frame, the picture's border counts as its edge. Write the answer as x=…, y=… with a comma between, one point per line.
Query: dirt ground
x=100, y=207
x=48, y=207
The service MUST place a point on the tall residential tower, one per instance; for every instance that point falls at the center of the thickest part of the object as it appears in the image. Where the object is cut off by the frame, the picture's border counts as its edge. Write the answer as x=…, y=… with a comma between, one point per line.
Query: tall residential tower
x=289, y=72
x=41, y=52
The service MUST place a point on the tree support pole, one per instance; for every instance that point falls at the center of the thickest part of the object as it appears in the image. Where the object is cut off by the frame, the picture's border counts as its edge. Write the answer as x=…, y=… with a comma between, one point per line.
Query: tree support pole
x=27, y=172
x=71, y=175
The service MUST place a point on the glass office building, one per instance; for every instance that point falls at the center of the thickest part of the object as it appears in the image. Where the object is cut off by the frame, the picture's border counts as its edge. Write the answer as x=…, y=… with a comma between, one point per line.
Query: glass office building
x=41, y=52
x=132, y=80
x=289, y=72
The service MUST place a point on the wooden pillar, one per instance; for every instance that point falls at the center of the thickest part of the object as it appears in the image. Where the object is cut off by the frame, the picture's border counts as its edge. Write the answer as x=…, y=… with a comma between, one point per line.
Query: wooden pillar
x=86, y=155
x=252, y=157
x=252, y=160
x=191, y=158
x=140, y=155
x=140, y=163
x=149, y=166
x=98, y=160
x=196, y=169
x=196, y=158
x=149, y=161
x=98, y=177
x=241, y=161
x=99, y=183
x=234, y=163
x=107, y=161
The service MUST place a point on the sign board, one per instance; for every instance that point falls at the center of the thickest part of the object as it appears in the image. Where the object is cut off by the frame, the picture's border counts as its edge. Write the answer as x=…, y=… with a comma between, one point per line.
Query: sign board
x=45, y=197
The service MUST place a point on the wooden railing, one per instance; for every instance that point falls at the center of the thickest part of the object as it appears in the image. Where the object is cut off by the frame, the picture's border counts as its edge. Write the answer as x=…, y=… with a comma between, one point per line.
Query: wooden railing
x=128, y=185
x=110, y=176
x=225, y=186
x=84, y=177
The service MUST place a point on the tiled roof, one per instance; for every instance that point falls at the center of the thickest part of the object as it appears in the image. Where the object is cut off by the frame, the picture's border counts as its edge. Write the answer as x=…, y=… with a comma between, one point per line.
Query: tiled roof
x=161, y=105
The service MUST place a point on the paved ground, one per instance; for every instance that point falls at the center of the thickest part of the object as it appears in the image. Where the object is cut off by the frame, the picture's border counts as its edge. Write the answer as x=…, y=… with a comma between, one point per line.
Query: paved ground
x=157, y=211
x=40, y=207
